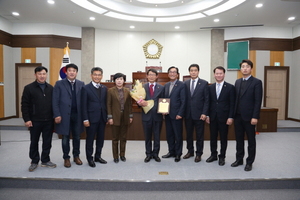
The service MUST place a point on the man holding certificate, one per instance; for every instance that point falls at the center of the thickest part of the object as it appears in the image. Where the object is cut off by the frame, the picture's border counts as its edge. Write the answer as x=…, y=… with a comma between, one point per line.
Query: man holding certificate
x=175, y=92
x=152, y=120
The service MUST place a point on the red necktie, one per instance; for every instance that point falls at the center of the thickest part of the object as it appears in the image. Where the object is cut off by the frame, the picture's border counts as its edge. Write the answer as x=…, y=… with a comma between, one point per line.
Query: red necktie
x=151, y=90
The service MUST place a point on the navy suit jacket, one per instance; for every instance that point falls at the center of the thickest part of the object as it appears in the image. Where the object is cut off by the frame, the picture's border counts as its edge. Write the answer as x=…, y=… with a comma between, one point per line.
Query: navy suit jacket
x=177, y=98
x=197, y=104
x=250, y=100
x=62, y=103
x=222, y=108
x=158, y=93
x=94, y=108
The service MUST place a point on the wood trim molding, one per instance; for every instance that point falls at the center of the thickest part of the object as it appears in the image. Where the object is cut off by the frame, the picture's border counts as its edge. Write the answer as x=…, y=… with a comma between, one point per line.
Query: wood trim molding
x=269, y=44
x=296, y=43
x=5, y=38
x=24, y=41
x=45, y=41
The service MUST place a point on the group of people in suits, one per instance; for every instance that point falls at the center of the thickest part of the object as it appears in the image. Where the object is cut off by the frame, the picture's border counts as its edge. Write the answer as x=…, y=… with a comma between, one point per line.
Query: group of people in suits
x=196, y=102
x=74, y=105
x=70, y=106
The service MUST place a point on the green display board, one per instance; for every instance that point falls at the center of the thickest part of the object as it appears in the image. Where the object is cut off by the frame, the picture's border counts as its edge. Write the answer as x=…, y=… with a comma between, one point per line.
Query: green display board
x=236, y=52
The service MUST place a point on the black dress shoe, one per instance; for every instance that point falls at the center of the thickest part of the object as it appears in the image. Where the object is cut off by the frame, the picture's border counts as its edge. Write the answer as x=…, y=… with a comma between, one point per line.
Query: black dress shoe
x=211, y=159
x=221, y=161
x=198, y=159
x=156, y=158
x=237, y=163
x=177, y=159
x=168, y=155
x=100, y=160
x=123, y=158
x=91, y=163
x=147, y=159
x=116, y=160
x=188, y=155
x=248, y=167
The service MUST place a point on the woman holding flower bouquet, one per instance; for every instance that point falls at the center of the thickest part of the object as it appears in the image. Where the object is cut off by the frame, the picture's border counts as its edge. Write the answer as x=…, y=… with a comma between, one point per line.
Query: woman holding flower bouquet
x=119, y=115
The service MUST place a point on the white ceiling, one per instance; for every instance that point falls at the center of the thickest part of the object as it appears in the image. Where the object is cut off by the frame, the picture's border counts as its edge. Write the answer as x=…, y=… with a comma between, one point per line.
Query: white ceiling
x=273, y=13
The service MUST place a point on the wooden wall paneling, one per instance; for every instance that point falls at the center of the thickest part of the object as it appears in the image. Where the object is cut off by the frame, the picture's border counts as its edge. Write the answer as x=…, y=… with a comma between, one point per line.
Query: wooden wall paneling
x=56, y=56
x=1, y=80
x=276, y=56
x=252, y=57
x=28, y=53
x=5, y=38
x=296, y=43
x=54, y=41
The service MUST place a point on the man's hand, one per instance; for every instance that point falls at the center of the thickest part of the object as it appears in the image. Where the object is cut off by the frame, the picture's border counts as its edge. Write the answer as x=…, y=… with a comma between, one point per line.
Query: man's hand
x=110, y=121
x=86, y=123
x=203, y=117
x=57, y=120
x=254, y=121
x=28, y=124
x=229, y=121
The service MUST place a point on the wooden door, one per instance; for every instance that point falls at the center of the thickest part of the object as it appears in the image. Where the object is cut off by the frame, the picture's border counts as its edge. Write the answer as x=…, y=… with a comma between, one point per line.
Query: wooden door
x=276, y=89
x=24, y=76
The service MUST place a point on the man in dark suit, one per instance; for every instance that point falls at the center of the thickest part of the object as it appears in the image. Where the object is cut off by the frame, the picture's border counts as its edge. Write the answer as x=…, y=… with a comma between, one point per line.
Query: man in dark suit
x=152, y=121
x=94, y=115
x=197, y=102
x=175, y=90
x=67, y=113
x=38, y=117
x=221, y=108
x=247, y=110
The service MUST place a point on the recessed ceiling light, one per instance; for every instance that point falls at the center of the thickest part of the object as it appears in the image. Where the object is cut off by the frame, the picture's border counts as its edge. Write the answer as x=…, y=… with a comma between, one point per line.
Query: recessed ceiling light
x=89, y=6
x=177, y=27
x=15, y=13
x=51, y=1
x=291, y=18
x=130, y=18
x=216, y=20
x=132, y=27
x=259, y=5
x=92, y=18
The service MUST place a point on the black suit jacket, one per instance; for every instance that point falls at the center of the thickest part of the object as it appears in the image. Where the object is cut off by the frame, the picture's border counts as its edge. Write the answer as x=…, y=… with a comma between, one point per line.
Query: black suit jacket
x=223, y=107
x=158, y=93
x=197, y=104
x=250, y=100
x=177, y=98
x=93, y=108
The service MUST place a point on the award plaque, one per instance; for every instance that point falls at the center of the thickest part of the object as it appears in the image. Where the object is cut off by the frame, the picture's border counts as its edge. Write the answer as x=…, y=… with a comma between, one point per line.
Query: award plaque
x=163, y=105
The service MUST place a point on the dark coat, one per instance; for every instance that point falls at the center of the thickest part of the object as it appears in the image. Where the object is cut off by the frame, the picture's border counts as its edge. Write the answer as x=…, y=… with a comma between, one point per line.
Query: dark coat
x=36, y=104
x=197, y=104
x=223, y=107
x=93, y=108
x=62, y=102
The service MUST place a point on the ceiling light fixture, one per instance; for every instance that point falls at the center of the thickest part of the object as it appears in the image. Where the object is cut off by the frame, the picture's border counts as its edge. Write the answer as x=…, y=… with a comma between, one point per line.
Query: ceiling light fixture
x=226, y=6
x=157, y=1
x=92, y=18
x=177, y=27
x=216, y=20
x=291, y=18
x=89, y=6
x=51, y=1
x=15, y=13
x=127, y=17
x=182, y=18
x=132, y=27
x=259, y=5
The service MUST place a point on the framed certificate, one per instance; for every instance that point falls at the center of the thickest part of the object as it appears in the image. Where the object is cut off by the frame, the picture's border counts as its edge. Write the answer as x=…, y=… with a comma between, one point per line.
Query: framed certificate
x=163, y=105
